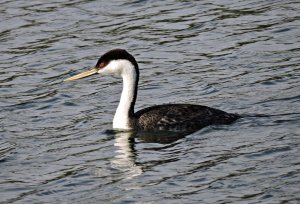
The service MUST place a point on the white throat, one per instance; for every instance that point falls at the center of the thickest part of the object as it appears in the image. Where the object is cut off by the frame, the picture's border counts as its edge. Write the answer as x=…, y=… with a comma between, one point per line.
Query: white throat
x=127, y=71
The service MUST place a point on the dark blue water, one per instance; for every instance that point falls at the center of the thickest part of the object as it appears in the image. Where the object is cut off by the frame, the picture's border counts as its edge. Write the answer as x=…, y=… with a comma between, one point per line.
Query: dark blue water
x=56, y=138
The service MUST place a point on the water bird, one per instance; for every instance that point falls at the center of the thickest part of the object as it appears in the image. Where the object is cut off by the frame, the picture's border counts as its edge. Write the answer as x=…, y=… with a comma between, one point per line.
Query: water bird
x=169, y=117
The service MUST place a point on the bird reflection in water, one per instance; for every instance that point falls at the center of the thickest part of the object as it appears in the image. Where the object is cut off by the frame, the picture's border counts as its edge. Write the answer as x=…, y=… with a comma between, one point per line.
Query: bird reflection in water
x=125, y=159
x=126, y=153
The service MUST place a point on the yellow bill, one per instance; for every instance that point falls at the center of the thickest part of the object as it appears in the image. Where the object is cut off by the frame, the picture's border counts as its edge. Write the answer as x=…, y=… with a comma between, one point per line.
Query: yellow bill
x=82, y=75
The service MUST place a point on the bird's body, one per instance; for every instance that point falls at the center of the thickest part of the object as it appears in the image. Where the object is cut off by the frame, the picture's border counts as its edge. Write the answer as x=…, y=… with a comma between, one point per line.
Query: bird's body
x=173, y=117
x=177, y=117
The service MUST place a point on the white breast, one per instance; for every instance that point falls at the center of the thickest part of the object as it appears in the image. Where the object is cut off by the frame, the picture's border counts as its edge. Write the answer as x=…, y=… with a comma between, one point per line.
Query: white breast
x=127, y=71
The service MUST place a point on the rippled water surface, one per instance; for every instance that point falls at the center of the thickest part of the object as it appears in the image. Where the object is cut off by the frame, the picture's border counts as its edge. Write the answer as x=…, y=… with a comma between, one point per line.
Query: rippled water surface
x=57, y=143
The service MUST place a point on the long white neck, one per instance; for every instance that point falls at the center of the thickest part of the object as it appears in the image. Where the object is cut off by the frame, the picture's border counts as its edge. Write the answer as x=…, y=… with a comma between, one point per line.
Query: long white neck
x=125, y=108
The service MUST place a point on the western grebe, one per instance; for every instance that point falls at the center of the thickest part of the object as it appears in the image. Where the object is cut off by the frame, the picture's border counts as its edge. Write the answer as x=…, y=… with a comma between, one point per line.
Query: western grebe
x=173, y=117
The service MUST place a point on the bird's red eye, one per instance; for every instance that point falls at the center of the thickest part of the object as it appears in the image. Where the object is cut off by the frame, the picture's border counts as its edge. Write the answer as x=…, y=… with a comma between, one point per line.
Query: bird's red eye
x=101, y=65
